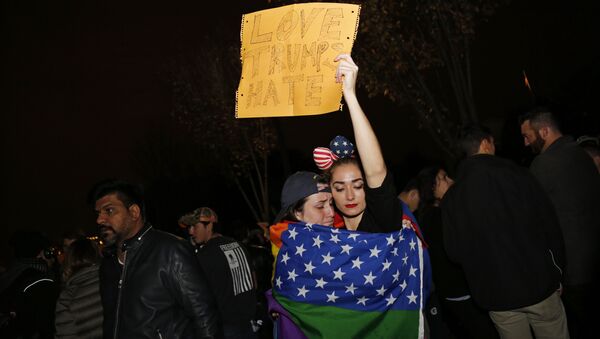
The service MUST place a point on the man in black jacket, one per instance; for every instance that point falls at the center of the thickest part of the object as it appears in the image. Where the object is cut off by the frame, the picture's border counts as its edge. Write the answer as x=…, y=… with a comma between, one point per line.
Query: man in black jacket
x=571, y=180
x=502, y=229
x=150, y=282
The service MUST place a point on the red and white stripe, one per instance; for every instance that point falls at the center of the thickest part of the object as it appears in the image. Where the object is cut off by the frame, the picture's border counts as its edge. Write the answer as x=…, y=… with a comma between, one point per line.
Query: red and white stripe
x=323, y=158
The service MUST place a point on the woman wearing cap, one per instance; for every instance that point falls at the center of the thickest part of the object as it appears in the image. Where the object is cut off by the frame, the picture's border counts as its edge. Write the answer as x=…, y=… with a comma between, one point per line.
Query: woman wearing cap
x=305, y=197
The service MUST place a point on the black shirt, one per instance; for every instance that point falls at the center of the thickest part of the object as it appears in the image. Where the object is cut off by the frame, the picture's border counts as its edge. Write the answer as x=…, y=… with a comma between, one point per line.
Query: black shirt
x=383, y=212
x=226, y=265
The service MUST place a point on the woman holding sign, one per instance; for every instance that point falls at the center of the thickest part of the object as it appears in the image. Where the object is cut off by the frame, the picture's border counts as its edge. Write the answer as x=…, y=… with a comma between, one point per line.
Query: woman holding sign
x=366, y=202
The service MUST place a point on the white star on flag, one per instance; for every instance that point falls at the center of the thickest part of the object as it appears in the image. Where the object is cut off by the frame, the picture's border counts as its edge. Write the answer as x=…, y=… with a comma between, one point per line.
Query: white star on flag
x=331, y=297
x=403, y=285
x=300, y=249
x=346, y=249
x=400, y=238
x=405, y=259
x=334, y=238
x=390, y=240
x=293, y=234
x=381, y=290
x=320, y=283
x=396, y=276
x=395, y=252
x=356, y=263
x=412, y=244
x=338, y=274
x=369, y=278
x=412, y=298
x=390, y=300
x=362, y=300
x=292, y=275
x=284, y=258
x=350, y=289
x=309, y=267
x=302, y=291
x=353, y=236
x=327, y=258
x=278, y=282
x=386, y=265
x=412, y=271
x=374, y=252
x=317, y=241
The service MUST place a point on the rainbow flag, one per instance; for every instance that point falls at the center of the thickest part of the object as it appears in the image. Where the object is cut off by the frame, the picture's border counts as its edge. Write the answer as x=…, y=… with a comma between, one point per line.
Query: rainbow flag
x=336, y=283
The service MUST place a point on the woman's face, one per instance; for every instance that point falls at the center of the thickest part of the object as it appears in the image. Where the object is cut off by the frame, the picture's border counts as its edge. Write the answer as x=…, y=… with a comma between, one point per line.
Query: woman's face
x=442, y=183
x=317, y=209
x=347, y=187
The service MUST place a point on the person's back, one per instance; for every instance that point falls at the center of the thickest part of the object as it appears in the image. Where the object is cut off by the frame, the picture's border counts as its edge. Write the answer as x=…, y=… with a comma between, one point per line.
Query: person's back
x=502, y=209
x=79, y=307
x=226, y=265
x=500, y=226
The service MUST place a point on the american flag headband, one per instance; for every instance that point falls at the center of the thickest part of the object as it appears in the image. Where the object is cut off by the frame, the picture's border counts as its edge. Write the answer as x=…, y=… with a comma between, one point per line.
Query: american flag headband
x=339, y=148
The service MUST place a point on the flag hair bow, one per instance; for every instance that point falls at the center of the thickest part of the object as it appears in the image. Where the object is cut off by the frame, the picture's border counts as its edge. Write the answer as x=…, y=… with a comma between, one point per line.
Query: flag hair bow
x=339, y=147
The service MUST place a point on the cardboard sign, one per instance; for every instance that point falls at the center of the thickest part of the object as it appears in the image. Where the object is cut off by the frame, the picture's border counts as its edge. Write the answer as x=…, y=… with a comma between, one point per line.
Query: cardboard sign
x=287, y=59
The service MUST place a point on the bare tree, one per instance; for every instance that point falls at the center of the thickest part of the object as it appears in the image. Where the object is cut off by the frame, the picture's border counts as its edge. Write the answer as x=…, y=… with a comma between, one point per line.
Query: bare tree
x=203, y=85
x=417, y=53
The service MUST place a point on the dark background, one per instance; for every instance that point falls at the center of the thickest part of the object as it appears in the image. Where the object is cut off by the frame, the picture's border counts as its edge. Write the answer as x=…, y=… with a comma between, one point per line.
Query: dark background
x=83, y=91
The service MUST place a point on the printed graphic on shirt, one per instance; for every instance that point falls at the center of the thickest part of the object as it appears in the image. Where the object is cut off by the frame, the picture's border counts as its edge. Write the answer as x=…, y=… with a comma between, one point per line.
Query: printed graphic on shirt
x=239, y=267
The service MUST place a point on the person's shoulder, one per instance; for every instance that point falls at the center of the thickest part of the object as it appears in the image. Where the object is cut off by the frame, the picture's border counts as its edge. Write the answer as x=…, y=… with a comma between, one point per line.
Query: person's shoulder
x=165, y=237
x=85, y=275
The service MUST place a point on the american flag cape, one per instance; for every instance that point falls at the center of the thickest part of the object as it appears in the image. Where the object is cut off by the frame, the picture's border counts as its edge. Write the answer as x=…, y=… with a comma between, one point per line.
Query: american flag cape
x=337, y=283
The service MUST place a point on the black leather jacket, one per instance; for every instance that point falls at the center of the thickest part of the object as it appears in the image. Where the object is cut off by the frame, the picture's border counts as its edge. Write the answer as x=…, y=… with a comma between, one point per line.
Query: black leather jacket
x=162, y=293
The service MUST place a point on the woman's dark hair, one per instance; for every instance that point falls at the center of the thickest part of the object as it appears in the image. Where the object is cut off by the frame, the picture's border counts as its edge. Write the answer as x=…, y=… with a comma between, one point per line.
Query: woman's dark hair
x=427, y=178
x=297, y=207
x=80, y=254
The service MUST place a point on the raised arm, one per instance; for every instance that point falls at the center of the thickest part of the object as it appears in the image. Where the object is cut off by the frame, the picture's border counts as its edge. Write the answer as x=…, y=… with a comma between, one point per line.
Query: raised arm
x=366, y=141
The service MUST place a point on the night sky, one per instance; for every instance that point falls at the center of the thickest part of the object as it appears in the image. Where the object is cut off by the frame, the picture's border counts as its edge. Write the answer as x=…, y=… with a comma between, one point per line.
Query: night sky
x=83, y=88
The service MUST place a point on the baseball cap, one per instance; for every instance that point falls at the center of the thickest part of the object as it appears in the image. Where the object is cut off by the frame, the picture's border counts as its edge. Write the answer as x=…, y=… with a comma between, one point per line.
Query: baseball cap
x=193, y=218
x=297, y=187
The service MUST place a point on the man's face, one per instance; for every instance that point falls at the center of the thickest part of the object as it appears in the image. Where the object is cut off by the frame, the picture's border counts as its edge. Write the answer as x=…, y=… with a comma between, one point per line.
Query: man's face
x=116, y=222
x=201, y=231
x=532, y=137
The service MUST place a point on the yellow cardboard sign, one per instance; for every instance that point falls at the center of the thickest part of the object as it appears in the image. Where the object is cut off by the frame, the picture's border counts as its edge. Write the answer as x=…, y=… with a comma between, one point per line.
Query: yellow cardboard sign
x=287, y=59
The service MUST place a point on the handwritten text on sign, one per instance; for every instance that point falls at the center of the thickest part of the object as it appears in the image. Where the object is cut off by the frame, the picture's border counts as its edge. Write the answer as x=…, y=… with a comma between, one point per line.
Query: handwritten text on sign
x=287, y=59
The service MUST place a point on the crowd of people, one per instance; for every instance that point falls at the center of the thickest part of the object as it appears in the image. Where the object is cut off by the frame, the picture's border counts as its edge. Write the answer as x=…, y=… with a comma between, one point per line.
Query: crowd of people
x=506, y=251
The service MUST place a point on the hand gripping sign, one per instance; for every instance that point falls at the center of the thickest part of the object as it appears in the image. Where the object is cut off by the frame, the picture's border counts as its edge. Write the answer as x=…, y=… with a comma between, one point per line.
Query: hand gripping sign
x=287, y=59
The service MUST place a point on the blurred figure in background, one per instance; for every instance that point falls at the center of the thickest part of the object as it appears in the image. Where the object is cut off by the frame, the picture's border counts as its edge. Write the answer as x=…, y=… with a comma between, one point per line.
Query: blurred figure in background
x=79, y=308
x=28, y=289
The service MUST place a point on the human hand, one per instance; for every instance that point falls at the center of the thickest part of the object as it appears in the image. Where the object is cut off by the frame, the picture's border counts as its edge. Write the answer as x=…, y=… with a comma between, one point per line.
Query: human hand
x=346, y=73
